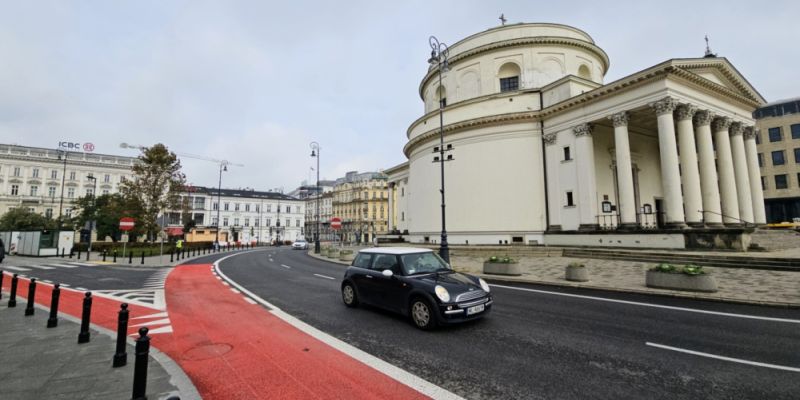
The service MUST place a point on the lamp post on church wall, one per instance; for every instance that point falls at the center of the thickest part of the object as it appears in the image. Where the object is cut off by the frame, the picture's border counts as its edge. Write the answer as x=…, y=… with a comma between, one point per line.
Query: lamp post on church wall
x=439, y=52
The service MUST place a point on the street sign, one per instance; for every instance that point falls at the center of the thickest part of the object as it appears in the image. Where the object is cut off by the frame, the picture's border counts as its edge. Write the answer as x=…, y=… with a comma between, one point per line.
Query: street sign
x=336, y=223
x=126, y=223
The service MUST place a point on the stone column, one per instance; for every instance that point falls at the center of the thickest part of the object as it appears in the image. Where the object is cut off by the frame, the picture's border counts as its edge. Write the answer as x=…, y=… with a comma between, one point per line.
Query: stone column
x=670, y=174
x=740, y=173
x=554, y=196
x=690, y=175
x=622, y=150
x=754, y=172
x=727, y=180
x=390, y=224
x=708, y=170
x=587, y=185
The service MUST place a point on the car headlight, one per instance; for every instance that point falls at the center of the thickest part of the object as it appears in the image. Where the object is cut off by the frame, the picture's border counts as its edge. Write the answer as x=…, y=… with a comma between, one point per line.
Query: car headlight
x=484, y=285
x=442, y=294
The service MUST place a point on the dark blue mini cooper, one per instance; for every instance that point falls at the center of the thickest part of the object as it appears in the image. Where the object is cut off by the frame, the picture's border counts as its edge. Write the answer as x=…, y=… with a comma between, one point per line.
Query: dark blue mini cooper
x=417, y=283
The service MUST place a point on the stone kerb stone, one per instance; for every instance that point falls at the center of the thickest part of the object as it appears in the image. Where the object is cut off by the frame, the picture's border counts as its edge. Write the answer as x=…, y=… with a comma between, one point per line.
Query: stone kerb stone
x=680, y=281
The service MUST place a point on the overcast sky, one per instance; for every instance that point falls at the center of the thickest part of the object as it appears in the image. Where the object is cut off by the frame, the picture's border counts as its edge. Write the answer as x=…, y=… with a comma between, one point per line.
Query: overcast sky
x=254, y=82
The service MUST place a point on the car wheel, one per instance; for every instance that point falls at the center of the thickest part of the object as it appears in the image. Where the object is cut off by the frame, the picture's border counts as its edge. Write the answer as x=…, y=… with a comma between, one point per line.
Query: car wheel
x=422, y=314
x=349, y=295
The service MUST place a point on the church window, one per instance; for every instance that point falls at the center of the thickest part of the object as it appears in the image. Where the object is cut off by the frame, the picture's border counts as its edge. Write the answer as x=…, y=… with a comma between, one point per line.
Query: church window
x=570, y=201
x=509, y=77
x=567, y=155
x=583, y=72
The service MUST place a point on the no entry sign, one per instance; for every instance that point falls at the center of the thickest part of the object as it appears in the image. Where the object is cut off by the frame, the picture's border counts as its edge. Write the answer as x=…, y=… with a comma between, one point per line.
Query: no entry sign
x=336, y=223
x=126, y=223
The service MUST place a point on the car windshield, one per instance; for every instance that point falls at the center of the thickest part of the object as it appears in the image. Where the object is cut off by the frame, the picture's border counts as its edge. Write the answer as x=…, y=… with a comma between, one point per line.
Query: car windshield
x=423, y=263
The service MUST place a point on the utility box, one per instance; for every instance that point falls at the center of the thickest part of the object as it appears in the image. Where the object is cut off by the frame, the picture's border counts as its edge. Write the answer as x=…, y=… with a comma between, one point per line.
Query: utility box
x=37, y=243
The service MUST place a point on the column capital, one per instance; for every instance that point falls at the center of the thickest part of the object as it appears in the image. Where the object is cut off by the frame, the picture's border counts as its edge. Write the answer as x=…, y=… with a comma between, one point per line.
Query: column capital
x=685, y=111
x=703, y=117
x=664, y=106
x=582, y=130
x=549, y=138
x=721, y=124
x=736, y=129
x=750, y=132
x=620, y=119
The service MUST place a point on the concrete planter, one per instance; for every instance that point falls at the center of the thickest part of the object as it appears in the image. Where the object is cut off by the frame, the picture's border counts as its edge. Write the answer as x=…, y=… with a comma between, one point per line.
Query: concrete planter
x=502, y=268
x=576, y=274
x=333, y=253
x=680, y=281
x=346, y=256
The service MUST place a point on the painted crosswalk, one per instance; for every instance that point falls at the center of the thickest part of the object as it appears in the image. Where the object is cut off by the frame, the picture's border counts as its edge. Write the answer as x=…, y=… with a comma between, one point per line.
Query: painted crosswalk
x=142, y=297
x=45, y=266
x=157, y=280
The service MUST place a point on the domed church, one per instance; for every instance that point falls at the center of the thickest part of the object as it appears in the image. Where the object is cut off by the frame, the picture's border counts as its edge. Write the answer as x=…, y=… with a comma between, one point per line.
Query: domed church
x=538, y=149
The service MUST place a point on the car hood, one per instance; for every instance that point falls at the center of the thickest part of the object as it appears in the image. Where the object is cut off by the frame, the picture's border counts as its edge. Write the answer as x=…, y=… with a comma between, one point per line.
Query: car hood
x=453, y=281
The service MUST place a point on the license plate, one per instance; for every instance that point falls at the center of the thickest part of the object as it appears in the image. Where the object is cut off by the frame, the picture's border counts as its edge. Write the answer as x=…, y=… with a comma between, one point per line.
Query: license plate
x=475, y=309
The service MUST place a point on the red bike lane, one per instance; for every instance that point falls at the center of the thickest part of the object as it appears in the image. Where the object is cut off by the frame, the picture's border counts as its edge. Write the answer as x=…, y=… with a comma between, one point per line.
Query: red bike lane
x=231, y=348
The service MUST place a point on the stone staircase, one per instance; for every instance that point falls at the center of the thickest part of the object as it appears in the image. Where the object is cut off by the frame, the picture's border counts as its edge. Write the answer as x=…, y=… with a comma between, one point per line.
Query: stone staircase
x=775, y=239
x=677, y=257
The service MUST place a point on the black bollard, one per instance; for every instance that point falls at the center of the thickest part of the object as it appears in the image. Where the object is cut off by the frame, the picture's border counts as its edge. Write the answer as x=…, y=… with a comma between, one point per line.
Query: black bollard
x=84, y=335
x=31, y=298
x=115, y=256
x=79, y=255
x=88, y=254
x=70, y=252
x=172, y=256
x=121, y=356
x=130, y=257
x=140, y=369
x=12, y=301
x=63, y=250
x=104, y=256
x=142, y=257
x=52, y=322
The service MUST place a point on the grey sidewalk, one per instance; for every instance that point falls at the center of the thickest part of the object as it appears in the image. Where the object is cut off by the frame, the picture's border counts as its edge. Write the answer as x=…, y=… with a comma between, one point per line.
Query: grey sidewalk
x=737, y=285
x=95, y=258
x=48, y=363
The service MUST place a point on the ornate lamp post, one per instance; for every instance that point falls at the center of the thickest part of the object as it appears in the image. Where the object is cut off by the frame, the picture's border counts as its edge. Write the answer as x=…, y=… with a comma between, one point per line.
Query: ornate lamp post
x=439, y=52
x=315, y=150
x=94, y=211
x=223, y=166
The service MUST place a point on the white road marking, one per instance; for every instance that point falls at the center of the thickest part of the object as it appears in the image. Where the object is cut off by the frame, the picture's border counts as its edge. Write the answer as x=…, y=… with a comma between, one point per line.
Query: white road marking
x=235, y=291
x=156, y=315
x=83, y=264
x=46, y=281
x=286, y=266
x=323, y=276
x=225, y=283
x=158, y=322
x=400, y=375
x=20, y=269
x=636, y=303
x=63, y=265
x=731, y=359
x=82, y=289
x=64, y=285
x=40, y=267
x=249, y=300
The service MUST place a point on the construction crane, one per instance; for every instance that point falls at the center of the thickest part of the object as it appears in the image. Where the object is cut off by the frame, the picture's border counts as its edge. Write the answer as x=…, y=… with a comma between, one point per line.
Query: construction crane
x=223, y=167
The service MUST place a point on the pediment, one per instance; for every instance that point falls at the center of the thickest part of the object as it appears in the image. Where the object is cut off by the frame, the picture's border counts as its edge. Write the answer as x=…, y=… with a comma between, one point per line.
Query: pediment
x=719, y=71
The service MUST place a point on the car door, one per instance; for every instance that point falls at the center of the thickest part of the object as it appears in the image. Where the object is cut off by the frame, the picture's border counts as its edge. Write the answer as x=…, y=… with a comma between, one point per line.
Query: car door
x=359, y=271
x=388, y=290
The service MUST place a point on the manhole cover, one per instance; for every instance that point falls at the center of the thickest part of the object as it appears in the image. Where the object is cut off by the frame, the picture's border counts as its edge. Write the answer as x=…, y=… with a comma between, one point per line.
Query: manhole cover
x=207, y=351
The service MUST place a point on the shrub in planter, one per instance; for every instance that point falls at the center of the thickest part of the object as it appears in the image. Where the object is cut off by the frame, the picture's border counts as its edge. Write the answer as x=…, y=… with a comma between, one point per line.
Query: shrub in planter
x=332, y=253
x=690, y=278
x=576, y=272
x=501, y=266
x=346, y=255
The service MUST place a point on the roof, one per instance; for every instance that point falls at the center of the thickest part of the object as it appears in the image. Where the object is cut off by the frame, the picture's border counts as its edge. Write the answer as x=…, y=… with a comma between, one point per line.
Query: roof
x=775, y=103
x=247, y=194
x=395, y=250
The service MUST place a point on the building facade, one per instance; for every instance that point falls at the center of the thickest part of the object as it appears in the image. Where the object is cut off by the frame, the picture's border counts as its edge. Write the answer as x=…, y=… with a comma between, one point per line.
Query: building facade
x=242, y=215
x=563, y=158
x=778, y=144
x=48, y=181
x=361, y=201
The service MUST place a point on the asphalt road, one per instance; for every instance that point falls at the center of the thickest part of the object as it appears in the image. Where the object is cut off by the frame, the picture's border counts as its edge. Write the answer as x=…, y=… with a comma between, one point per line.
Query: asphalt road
x=81, y=274
x=541, y=342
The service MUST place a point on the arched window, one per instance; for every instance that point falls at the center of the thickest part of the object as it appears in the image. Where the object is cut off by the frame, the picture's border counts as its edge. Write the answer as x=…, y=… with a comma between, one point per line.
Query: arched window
x=509, y=77
x=441, y=96
x=583, y=72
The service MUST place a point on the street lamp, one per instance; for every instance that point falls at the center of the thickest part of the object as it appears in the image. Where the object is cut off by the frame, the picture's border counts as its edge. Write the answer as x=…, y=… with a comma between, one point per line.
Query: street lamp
x=223, y=166
x=94, y=209
x=315, y=150
x=439, y=52
x=62, y=154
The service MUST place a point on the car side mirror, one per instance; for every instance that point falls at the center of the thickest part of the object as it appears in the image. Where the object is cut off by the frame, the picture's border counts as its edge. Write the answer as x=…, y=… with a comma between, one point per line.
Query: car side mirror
x=388, y=273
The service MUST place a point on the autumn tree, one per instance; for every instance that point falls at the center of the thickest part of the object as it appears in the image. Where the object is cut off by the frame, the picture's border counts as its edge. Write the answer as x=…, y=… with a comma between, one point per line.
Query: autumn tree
x=106, y=210
x=22, y=219
x=156, y=186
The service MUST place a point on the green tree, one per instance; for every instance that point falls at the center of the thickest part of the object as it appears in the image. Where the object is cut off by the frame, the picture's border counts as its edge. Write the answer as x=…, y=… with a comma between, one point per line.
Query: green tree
x=21, y=219
x=106, y=210
x=155, y=187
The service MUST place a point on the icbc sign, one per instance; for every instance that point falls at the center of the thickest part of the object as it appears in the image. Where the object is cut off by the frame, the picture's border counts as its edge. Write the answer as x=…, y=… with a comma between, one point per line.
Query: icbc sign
x=75, y=146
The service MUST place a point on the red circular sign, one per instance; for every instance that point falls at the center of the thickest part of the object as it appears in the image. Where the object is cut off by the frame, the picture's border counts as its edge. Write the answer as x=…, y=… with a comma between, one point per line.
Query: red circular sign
x=336, y=223
x=126, y=223
x=88, y=147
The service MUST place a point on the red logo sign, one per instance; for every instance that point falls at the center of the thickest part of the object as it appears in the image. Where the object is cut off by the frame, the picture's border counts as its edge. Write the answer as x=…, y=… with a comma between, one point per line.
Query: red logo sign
x=336, y=223
x=88, y=147
x=126, y=223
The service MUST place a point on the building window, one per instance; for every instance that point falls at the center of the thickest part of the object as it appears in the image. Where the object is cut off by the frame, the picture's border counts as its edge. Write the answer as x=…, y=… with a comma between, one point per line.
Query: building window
x=269, y=207
x=509, y=84
x=48, y=213
x=402, y=192
x=247, y=207
x=14, y=190
x=798, y=179
x=226, y=206
x=257, y=221
x=258, y=208
x=795, y=131
x=777, y=158
x=570, y=202
x=760, y=159
x=107, y=178
x=288, y=222
x=441, y=94
x=236, y=222
x=105, y=191
x=16, y=171
x=34, y=190
x=225, y=221
x=775, y=134
x=235, y=206
x=35, y=172
x=402, y=216
x=567, y=155
x=763, y=183
x=70, y=193
x=297, y=223
x=72, y=176
x=268, y=222
x=214, y=221
x=797, y=155
x=247, y=222
x=68, y=212
x=288, y=210
x=90, y=192
x=54, y=174
x=780, y=181
x=51, y=191
x=758, y=137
